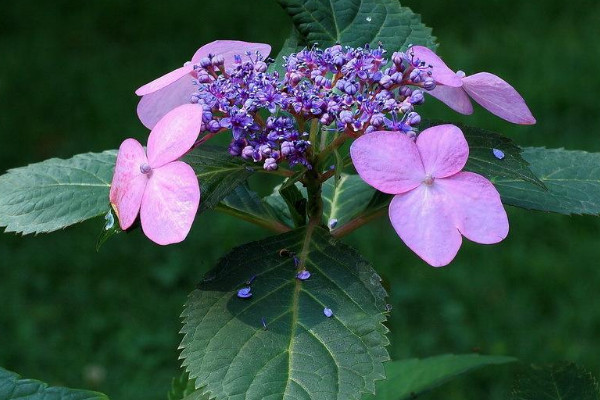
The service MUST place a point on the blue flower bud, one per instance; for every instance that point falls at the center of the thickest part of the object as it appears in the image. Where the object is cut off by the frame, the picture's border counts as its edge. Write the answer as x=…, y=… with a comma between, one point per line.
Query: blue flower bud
x=417, y=97
x=499, y=154
x=287, y=148
x=332, y=223
x=247, y=152
x=415, y=76
x=377, y=119
x=270, y=164
x=218, y=60
x=328, y=313
x=413, y=118
x=205, y=62
x=397, y=58
x=429, y=84
x=346, y=117
x=385, y=81
x=303, y=275
x=244, y=293
x=260, y=66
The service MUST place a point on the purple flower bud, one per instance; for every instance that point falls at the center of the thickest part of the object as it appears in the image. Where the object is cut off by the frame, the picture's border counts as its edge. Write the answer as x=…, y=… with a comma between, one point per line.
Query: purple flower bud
x=370, y=129
x=346, y=117
x=247, y=152
x=303, y=275
x=340, y=84
x=499, y=154
x=287, y=148
x=405, y=91
x=214, y=126
x=328, y=313
x=332, y=223
x=218, y=60
x=205, y=62
x=417, y=97
x=194, y=99
x=264, y=149
x=326, y=119
x=397, y=77
x=415, y=76
x=377, y=119
x=260, y=66
x=385, y=81
x=397, y=58
x=350, y=88
x=411, y=135
x=145, y=168
x=270, y=164
x=429, y=84
x=204, y=77
x=413, y=118
x=244, y=293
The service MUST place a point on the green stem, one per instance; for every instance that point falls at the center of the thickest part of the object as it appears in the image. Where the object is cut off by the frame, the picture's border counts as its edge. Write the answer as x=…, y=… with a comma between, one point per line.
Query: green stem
x=314, y=208
x=272, y=225
x=337, y=142
x=357, y=223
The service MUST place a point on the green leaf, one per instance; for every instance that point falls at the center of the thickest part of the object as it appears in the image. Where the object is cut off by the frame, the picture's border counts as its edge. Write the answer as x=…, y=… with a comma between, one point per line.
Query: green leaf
x=246, y=204
x=301, y=354
x=572, y=179
x=56, y=193
x=562, y=382
x=294, y=196
x=407, y=379
x=348, y=198
x=181, y=387
x=358, y=22
x=218, y=173
x=13, y=387
x=291, y=45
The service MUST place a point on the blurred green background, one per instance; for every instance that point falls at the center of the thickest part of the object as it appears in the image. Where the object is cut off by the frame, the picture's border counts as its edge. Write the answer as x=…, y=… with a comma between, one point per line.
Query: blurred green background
x=109, y=321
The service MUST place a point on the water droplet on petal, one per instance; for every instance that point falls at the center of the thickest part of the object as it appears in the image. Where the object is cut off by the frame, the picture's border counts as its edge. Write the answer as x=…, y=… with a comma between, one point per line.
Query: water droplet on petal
x=328, y=313
x=499, y=154
x=244, y=293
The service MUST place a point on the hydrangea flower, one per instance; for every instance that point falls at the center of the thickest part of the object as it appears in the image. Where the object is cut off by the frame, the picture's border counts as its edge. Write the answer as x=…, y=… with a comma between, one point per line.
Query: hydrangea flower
x=175, y=88
x=434, y=201
x=491, y=92
x=164, y=192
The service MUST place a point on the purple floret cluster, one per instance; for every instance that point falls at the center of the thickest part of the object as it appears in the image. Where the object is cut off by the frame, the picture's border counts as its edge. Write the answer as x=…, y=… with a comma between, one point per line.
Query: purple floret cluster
x=348, y=90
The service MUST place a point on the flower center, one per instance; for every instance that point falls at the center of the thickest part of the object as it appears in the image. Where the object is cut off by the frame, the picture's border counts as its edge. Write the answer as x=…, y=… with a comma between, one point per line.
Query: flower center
x=145, y=169
x=428, y=180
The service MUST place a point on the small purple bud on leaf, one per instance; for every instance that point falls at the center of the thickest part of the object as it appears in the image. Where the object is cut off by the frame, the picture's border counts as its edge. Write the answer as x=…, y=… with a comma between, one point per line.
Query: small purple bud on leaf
x=332, y=223
x=499, y=154
x=303, y=275
x=328, y=313
x=244, y=293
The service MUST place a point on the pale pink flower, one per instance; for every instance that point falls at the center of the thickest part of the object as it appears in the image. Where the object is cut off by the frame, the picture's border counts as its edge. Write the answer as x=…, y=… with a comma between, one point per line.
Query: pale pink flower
x=176, y=87
x=434, y=201
x=165, y=192
x=491, y=92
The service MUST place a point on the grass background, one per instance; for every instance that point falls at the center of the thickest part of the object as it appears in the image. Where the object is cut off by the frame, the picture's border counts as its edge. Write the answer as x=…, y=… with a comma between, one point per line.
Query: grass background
x=109, y=320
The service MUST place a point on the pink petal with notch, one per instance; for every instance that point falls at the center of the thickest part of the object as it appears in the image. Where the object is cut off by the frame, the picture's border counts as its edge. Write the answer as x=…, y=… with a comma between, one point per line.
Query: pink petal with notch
x=443, y=149
x=170, y=203
x=165, y=80
x=388, y=161
x=425, y=224
x=128, y=183
x=229, y=49
x=174, y=134
x=454, y=97
x=478, y=211
x=152, y=107
x=439, y=71
x=498, y=97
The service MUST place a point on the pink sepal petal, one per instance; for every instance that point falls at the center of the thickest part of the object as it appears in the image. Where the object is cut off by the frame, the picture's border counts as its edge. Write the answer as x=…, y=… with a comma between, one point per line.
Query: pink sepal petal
x=477, y=208
x=425, y=224
x=127, y=187
x=170, y=203
x=165, y=80
x=388, y=161
x=439, y=71
x=174, y=134
x=229, y=49
x=444, y=150
x=454, y=97
x=152, y=107
x=498, y=97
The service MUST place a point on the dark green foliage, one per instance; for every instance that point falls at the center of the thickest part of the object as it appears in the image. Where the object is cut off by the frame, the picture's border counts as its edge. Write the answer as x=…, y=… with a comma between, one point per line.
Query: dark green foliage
x=13, y=387
x=298, y=352
x=556, y=382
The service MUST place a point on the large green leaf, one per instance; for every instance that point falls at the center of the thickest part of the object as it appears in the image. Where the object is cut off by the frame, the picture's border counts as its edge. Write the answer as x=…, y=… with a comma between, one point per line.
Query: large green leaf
x=561, y=382
x=13, y=387
x=299, y=353
x=218, y=173
x=358, y=22
x=56, y=193
x=346, y=199
x=246, y=204
x=572, y=179
x=407, y=379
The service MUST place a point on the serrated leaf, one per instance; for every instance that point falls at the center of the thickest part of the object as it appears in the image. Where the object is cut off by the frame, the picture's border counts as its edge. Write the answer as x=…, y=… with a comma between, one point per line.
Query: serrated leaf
x=348, y=198
x=246, y=204
x=181, y=387
x=56, y=193
x=572, y=179
x=301, y=354
x=218, y=173
x=358, y=22
x=562, y=382
x=13, y=387
x=407, y=379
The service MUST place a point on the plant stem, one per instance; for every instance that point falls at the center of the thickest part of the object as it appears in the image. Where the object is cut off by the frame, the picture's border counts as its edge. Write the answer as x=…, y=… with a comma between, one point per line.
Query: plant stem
x=357, y=223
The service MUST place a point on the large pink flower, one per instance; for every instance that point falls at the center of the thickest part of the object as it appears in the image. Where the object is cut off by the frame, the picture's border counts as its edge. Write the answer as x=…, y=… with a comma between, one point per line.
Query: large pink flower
x=176, y=87
x=165, y=192
x=491, y=92
x=435, y=202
